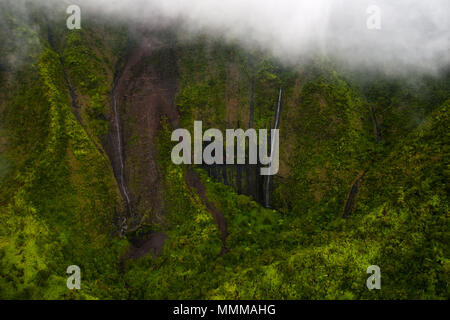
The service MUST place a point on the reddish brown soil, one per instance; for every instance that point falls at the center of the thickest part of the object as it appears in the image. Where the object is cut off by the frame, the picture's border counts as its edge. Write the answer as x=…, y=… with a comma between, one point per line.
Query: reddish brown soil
x=193, y=180
x=153, y=243
x=351, y=199
x=145, y=96
x=145, y=93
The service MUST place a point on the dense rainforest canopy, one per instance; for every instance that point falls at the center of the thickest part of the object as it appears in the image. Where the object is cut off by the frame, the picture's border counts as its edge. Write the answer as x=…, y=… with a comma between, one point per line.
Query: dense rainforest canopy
x=86, y=178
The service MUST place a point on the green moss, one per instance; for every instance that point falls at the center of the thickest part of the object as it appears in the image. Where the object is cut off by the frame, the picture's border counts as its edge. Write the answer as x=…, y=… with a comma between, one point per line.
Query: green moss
x=60, y=197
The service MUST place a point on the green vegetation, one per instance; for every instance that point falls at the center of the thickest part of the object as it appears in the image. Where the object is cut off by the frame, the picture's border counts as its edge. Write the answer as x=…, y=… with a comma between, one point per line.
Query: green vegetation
x=59, y=200
x=58, y=196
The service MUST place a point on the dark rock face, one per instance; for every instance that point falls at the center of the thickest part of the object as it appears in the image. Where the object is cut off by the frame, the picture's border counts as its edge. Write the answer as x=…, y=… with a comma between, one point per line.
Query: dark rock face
x=143, y=95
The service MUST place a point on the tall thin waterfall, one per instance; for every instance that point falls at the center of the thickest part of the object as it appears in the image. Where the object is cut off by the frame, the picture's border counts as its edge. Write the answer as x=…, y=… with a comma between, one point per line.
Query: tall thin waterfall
x=272, y=147
x=121, y=175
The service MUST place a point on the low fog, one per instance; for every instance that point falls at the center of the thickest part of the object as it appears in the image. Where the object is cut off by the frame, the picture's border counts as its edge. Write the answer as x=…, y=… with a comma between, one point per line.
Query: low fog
x=413, y=34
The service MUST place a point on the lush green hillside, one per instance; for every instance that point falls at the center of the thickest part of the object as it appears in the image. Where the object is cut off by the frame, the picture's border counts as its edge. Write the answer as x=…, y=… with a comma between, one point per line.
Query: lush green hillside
x=60, y=203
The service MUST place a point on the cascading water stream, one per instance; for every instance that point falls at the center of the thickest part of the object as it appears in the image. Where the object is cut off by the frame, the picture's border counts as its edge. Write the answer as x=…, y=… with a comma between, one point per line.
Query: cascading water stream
x=272, y=148
x=121, y=175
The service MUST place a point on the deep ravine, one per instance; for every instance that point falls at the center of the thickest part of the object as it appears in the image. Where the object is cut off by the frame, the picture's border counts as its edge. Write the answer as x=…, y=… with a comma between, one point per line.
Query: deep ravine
x=376, y=125
x=194, y=182
x=351, y=199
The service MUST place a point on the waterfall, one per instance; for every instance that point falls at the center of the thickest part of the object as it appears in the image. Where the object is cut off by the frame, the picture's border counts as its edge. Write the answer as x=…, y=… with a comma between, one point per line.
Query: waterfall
x=121, y=176
x=272, y=147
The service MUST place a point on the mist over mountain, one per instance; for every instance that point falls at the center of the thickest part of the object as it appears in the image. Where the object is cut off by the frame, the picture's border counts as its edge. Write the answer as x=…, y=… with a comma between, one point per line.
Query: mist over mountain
x=360, y=93
x=413, y=34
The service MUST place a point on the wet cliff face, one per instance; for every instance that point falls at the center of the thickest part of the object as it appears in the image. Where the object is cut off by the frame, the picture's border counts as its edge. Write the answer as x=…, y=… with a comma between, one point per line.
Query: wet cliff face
x=145, y=91
x=62, y=183
x=326, y=125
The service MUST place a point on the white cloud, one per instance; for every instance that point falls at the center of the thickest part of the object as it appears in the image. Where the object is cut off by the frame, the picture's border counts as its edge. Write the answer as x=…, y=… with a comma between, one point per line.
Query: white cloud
x=414, y=33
